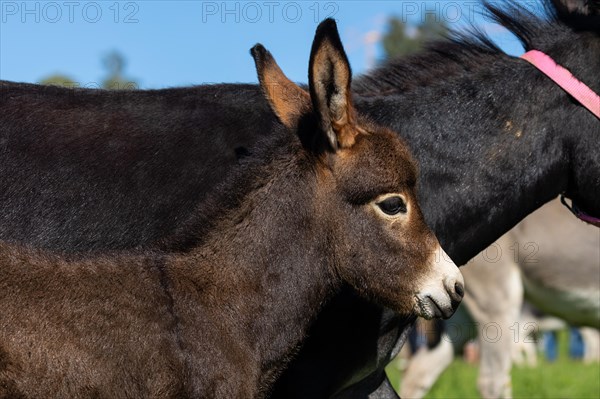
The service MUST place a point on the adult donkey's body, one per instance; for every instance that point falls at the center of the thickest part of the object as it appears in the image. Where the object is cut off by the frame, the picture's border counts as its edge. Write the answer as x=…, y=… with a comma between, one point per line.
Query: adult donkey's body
x=495, y=139
x=329, y=201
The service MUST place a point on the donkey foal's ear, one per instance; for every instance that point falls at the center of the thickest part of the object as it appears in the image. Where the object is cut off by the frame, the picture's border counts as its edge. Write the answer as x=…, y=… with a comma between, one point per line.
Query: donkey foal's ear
x=287, y=100
x=329, y=77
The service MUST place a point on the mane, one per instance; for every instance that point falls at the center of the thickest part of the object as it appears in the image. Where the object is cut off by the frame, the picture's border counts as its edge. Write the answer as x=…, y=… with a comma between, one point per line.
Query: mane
x=465, y=51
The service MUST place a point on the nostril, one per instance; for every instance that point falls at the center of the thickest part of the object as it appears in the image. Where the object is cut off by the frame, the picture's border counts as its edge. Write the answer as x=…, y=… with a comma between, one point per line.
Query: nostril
x=459, y=289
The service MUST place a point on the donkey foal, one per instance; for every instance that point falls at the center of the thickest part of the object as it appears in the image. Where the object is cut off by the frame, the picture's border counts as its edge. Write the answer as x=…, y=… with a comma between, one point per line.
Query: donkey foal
x=328, y=203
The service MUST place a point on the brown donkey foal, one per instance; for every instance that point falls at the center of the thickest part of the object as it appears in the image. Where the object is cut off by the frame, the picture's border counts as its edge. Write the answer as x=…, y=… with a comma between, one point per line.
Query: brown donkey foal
x=329, y=202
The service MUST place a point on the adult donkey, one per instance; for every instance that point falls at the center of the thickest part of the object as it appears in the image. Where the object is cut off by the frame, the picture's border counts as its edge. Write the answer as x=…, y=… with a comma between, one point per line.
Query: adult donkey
x=329, y=201
x=489, y=155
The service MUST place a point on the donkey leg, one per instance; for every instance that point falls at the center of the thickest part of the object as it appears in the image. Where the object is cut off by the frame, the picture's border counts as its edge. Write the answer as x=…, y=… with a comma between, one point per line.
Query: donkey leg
x=525, y=350
x=494, y=297
x=425, y=367
x=591, y=339
x=494, y=380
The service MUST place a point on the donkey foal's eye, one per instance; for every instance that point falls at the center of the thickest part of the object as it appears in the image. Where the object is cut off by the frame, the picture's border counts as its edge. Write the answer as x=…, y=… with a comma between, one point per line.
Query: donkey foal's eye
x=392, y=206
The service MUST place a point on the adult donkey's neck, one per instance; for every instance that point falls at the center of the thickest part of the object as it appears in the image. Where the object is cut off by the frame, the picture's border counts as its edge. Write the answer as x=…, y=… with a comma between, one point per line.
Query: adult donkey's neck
x=493, y=145
x=491, y=149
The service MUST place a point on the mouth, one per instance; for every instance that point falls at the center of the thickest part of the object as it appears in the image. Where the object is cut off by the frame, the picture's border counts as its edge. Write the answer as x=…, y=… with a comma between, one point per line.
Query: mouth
x=429, y=309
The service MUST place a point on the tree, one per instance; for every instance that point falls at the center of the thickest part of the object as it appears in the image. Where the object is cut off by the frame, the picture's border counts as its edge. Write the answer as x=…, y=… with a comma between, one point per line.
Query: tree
x=114, y=62
x=58, y=80
x=401, y=39
x=433, y=28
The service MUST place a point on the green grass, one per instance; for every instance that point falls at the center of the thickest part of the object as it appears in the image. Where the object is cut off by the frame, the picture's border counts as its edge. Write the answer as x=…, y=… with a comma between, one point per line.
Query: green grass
x=565, y=378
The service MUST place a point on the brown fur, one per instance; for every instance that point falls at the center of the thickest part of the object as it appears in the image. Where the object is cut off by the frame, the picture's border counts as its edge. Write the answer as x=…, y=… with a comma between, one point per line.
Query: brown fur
x=287, y=100
x=221, y=321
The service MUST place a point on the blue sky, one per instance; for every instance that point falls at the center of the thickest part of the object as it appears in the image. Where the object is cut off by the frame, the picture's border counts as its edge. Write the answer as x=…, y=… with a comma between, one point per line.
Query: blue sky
x=177, y=43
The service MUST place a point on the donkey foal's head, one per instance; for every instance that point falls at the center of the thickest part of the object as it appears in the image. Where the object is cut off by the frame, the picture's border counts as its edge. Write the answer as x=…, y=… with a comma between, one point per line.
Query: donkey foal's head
x=365, y=202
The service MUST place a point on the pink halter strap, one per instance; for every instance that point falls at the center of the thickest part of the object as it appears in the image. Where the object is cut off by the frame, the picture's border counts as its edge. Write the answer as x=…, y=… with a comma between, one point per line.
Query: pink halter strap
x=581, y=92
x=565, y=79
